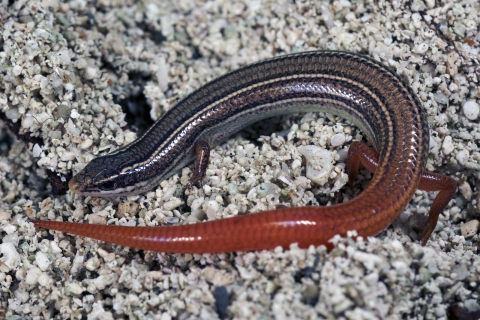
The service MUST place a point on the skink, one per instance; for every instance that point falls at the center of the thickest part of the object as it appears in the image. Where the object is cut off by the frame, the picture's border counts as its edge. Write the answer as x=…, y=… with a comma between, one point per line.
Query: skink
x=346, y=84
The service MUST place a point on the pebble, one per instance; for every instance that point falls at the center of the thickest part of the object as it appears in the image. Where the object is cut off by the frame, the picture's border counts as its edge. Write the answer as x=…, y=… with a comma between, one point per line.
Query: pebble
x=127, y=207
x=32, y=276
x=44, y=280
x=172, y=204
x=42, y=261
x=465, y=190
x=470, y=228
x=471, y=109
x=319, y=163
x=74, y=288
x=92, y=263
x=87, y=143
x=337, y=139
x=9, y=255
x=463, y=156
x=37, y=150
x=447, y=145
x=211, y=209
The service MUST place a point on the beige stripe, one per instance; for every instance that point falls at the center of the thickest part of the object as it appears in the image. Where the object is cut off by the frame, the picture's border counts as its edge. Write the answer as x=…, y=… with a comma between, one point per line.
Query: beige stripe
x=251, y=87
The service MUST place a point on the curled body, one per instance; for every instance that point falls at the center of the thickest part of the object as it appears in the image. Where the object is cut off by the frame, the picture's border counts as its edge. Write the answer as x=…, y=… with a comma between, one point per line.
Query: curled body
x=345, y=84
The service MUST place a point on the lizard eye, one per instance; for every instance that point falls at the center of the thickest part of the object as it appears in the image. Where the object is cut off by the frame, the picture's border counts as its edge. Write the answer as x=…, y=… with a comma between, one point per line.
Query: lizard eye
x=107, y=185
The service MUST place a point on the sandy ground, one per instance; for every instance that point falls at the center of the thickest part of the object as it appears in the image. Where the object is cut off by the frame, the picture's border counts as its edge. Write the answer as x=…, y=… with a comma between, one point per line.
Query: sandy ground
x=68, y=69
